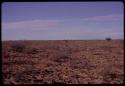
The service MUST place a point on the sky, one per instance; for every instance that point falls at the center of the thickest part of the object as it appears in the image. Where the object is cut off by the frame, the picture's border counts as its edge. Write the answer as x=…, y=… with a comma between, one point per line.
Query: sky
x=62, y=20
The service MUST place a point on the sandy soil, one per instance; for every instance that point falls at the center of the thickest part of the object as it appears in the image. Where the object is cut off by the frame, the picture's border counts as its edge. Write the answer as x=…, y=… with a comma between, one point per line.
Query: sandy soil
x=63, y=62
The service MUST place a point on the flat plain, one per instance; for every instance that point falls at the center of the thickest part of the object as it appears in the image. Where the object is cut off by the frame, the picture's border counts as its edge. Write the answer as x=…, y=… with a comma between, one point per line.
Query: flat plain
x=63, y=62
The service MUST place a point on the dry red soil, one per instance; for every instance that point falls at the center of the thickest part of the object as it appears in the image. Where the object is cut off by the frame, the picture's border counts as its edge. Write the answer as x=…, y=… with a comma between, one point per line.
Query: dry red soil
x=63, y=62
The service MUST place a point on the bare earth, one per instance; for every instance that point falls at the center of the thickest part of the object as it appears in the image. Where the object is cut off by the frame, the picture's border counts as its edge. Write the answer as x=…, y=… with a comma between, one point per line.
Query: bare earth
x=75, y=62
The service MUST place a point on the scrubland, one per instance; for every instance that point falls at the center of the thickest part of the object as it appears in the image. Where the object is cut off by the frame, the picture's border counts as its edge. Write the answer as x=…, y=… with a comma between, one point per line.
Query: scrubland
x=63, y=62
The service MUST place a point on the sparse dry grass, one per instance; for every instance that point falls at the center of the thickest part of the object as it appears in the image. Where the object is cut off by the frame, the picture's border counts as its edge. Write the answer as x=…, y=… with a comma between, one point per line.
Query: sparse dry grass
x=63, y=62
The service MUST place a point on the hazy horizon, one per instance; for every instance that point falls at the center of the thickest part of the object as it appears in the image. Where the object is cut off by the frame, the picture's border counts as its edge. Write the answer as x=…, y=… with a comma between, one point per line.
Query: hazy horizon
x=62, y=20
x=62, y=40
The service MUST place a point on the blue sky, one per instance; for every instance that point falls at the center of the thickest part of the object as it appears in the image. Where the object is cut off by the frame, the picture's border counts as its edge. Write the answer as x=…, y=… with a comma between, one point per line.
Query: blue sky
x=62, y=20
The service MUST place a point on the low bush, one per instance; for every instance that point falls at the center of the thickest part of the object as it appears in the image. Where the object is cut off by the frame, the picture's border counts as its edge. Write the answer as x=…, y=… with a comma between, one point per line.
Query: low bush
x=23, y=48
x=108, y=39
x=18, y=47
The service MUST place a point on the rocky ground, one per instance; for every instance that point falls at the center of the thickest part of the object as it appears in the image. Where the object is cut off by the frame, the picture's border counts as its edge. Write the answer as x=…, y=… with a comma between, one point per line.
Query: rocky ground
x=63, y=62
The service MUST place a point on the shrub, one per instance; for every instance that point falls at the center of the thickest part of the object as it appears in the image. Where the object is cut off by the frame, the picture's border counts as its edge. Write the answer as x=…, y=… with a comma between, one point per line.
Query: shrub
x=24, y=48
x=32, y=50
x=18, y=47
x=62, y=56
x=108, y=39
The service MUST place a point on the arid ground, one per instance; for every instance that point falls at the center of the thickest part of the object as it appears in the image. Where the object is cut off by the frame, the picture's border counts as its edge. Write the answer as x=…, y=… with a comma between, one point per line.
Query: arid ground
x=63, y=62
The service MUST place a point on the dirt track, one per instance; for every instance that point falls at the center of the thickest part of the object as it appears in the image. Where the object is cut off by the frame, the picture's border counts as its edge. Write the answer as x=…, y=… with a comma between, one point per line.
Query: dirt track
x=75, y=62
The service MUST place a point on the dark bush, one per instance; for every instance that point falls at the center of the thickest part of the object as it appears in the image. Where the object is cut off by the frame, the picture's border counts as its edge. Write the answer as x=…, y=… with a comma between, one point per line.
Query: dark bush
x=108, y=39
x=32, y=51
x=24, y=48
x=18, y=47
